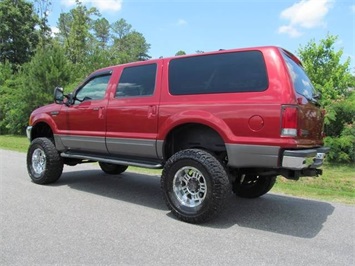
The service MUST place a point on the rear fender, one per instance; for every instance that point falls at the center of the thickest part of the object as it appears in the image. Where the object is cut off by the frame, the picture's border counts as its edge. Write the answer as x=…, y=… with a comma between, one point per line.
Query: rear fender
x=195, y=117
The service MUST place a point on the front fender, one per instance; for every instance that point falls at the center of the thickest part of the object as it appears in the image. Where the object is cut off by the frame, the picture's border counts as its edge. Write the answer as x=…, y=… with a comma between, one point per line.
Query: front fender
x=45, y=115
x=47, y=119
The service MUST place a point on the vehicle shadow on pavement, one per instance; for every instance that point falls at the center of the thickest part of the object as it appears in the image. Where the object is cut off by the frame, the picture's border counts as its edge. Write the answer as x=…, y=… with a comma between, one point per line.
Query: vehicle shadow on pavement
x=130, y=187
x=280, y=214
x=274, y=213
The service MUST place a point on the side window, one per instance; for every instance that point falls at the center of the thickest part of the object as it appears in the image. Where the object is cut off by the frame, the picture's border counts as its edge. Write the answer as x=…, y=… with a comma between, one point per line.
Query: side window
x=137, y=81
x=218, y=73
x=94, y=89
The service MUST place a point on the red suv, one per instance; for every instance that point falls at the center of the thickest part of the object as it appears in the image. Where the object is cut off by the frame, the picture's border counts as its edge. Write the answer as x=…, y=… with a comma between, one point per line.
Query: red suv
x=214, y=122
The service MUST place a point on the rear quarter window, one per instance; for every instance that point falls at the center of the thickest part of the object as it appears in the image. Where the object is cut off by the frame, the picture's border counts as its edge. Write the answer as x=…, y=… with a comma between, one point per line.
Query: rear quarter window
x=218, y=73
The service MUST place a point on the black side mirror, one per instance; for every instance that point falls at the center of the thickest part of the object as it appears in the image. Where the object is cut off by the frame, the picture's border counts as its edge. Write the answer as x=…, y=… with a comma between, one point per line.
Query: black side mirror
x=58, y=95
x=70, y=98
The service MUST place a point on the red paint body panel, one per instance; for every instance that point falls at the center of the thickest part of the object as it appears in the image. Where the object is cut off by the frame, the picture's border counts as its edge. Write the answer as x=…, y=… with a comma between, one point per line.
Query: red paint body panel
x=229, y=114
x=134, y=117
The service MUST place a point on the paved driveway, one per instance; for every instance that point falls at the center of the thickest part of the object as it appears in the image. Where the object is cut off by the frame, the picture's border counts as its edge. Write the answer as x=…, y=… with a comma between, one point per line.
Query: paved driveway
x=89, y=218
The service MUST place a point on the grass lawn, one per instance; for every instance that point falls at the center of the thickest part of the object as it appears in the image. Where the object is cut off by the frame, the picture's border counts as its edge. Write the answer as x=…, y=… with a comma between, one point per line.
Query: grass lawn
x=337, y=183
x=14, y=143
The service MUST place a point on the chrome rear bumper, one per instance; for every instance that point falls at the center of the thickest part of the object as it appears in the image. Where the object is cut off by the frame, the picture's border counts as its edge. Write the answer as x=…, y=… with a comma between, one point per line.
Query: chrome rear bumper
x=301, y=159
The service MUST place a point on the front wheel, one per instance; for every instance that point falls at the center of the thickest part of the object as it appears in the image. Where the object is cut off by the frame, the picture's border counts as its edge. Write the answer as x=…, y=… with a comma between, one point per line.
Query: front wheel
x=112, y=169
x=44, y=164
x=195, y=185
x=253, y=186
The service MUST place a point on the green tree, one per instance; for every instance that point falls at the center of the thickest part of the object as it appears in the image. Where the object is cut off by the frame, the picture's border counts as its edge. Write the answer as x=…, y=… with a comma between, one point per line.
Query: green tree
x=136, y=46
x=323, y=65
x=181, y=52
x=82, y=45
x=121, y=29
x=48, y=68
x=90, y=43
x=64, y=25
x=74, y=31
x=11, y=100
x=42, y=9
x=18, y=36
x=6, y=75
x=79, y=32
x=33, y=87
x=128, y=45
x=101, y=29
x=5, y=72
x=334, y=81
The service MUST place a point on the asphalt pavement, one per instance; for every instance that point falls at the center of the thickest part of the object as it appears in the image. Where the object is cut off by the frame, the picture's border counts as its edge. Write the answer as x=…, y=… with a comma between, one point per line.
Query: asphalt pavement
x=91, y=218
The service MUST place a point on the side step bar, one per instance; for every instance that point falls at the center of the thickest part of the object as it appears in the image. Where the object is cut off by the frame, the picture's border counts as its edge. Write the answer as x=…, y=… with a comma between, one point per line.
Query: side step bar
x=144, y=164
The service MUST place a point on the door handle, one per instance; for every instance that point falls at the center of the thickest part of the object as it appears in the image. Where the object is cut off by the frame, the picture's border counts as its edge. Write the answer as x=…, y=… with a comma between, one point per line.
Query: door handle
x=101, y=111
x=152, y=111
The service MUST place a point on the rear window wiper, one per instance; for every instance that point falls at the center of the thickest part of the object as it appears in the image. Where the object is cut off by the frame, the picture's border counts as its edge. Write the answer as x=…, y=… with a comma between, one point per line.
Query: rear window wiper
x=315, y=99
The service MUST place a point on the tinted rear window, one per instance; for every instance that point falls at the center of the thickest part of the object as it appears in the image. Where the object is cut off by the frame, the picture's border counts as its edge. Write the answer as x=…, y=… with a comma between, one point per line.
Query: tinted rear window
x=301, y=82
x=219, y=73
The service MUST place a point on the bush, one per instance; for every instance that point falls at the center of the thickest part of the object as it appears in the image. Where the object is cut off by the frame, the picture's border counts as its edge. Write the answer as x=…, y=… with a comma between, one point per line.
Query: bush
x=340, y=130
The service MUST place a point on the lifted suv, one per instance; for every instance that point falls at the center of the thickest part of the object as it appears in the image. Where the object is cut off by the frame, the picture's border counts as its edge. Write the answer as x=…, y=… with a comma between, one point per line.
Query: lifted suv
x=232, y=119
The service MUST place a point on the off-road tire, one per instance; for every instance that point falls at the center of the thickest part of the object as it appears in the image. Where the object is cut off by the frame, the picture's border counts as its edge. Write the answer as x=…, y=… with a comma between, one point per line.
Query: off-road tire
x=112, y=169
x=44, y=164
x=253, y=186
x=195, y=185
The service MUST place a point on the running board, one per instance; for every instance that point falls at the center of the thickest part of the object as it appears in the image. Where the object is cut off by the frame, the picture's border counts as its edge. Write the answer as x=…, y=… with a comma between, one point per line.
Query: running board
x=144, y=164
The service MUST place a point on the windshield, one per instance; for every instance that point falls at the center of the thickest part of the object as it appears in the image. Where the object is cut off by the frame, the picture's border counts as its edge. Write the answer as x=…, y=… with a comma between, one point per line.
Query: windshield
x=301, y=82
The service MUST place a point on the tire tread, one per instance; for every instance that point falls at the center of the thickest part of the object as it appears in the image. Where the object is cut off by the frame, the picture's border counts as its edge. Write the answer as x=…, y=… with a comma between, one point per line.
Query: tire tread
x=220, y=184
x=54, y=162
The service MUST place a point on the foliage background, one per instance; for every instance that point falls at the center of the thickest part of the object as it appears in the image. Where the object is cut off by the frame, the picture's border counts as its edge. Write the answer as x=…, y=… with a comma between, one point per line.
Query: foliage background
x=33, y=62
x=334, y=81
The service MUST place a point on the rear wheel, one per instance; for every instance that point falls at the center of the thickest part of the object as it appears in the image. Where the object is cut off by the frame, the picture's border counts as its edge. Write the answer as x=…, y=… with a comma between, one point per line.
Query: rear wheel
x=112, y=169
x=253, y=186
x=44, y=164
x=195, y=185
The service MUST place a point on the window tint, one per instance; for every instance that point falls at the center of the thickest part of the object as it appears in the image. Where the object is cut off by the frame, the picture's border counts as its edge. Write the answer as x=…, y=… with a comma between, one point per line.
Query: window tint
x=301, y=82
x=94, y=89
x=220, y=73
x=137, y=81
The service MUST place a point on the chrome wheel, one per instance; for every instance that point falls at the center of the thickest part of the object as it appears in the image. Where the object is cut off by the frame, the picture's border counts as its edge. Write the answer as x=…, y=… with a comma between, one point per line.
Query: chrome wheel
x=44, y=164
x=189, y=186
x=195, y=185
x=39, y=161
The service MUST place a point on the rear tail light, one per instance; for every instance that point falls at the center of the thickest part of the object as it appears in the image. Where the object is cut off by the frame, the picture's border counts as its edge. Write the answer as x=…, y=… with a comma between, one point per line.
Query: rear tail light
x=289, y=118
